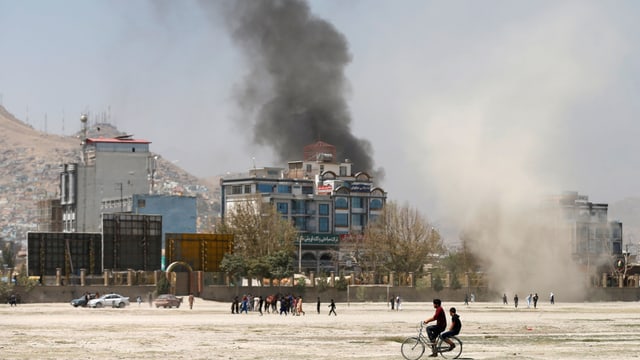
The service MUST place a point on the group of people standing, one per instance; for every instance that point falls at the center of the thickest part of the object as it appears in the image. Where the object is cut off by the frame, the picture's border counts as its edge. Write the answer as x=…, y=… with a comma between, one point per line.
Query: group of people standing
x=276, y=304
x=532, y=299
x=395, y=302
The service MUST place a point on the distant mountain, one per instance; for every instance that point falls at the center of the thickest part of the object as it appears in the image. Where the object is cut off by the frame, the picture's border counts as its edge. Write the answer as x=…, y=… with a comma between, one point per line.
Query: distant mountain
x=30, y=167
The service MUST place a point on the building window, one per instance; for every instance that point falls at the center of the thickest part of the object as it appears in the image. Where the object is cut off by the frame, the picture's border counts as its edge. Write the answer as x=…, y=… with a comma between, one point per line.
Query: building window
x=283, y=208
x=247, y=189
x=142, y=203
x=299, y=207
x=343, y=170
x=323, y=224
x=284, y=189
x=356, y=203
x=236, y=189
x=306, y=190
x=356, y=220
x=342, y=219
x=300, y=224
x=308, y=168
x=323, y=209
x=342, y=203
x=375, y=204
x=321, y=169
x=264, y=188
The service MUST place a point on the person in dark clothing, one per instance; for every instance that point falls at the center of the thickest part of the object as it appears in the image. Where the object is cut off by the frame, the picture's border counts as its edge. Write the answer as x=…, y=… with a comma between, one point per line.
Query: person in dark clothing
x=441, y=324
x=333, y=308
x=535, y=300
x=260, y=304
x=454, y=329
x=13, y=300
x=318, y=305
x=235, y=305
x=515, y=300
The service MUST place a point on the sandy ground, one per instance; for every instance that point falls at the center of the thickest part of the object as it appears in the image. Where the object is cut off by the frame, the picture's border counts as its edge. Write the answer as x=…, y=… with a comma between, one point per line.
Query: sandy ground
x=360, y=331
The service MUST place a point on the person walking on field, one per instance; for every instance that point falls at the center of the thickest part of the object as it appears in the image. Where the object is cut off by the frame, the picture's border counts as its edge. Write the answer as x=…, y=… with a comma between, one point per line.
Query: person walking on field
x=332, y=306
x=191, y=301
x=515, y=300
x=441, y=324
x=299, y=307
x=318, y=305
x=535, y=301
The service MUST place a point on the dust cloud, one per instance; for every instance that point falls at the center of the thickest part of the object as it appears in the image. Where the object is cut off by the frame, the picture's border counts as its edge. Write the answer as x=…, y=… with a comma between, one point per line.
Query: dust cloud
x=491, y=145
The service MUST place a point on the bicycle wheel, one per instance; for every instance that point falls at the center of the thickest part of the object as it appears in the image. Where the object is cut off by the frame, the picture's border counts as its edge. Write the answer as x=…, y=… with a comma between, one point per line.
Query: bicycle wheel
x=412, y=348
x=443, y=348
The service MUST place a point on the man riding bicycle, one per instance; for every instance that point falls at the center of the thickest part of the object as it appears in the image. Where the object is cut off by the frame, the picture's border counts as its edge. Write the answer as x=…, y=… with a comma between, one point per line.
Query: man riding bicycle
x=434, y=330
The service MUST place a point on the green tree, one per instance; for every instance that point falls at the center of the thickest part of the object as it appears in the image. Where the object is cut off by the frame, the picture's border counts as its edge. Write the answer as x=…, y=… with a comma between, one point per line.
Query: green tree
x=281, y=264
x=235, y=265
x=163, y=285
x=342, y=283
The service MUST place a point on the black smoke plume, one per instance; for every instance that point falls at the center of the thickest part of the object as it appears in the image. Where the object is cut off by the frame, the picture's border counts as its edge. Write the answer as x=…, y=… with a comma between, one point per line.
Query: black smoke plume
x=295, y=90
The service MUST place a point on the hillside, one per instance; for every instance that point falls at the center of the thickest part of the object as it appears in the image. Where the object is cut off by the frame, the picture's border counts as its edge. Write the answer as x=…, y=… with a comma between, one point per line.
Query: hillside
x=30, y=165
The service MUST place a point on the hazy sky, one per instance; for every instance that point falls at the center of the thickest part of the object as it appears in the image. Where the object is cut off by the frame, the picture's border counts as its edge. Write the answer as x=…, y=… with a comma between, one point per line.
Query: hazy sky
x=461, y=101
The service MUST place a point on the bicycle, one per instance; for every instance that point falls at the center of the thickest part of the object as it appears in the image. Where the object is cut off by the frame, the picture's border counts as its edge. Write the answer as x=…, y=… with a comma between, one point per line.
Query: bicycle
x=413, y=347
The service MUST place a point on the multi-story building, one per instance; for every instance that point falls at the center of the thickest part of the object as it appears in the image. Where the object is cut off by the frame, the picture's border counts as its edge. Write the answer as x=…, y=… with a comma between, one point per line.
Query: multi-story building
x=324, y=200
x=108, y=168
x=596, y=242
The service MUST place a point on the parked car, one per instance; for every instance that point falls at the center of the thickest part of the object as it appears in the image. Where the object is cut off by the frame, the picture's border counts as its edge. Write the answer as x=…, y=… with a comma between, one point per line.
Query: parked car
x=113, y=300
x=83, y=300
x=167, y=301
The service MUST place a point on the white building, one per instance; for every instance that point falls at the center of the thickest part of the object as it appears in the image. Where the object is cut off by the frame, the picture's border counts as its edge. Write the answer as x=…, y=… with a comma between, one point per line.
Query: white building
x=109, y=168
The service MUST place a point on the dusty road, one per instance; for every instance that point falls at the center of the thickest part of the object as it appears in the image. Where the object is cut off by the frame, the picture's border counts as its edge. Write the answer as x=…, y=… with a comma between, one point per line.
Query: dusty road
x=360, y=331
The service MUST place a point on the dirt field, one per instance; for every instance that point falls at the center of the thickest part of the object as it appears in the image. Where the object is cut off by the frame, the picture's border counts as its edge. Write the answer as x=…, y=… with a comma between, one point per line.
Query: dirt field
x=360, y=331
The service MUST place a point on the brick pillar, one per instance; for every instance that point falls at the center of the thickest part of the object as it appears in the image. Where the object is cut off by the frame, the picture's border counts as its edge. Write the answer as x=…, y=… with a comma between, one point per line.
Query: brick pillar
x=58, y=276
x=332, y=279
x=312, y=278
x=392, y=278
x=411, y=283
x=106, y=277
x=129, y=277
x=604, y=280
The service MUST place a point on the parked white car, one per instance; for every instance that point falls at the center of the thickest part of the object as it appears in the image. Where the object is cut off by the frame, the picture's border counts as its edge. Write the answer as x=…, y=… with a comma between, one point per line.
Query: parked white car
x=112, y=300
